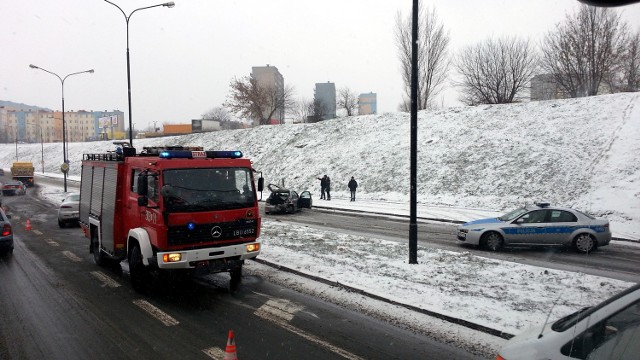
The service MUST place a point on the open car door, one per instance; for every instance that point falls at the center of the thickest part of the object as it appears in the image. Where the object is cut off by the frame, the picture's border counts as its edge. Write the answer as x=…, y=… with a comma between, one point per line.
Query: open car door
x=305, y=200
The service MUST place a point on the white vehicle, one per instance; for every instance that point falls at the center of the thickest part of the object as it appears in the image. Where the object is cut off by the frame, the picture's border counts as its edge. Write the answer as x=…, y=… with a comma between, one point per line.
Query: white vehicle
x=68, y=212
x=609, y=330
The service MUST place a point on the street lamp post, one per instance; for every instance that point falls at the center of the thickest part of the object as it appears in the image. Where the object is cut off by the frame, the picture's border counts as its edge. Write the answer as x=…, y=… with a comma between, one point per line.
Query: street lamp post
x=64, y=129
x=126, y=18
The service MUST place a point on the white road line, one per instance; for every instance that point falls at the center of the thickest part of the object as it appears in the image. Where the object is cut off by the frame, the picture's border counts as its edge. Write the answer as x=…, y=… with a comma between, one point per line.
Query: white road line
x=71, y=256
x=215, y=353
x=278, y=321
x=165, y=318
x=281, y=311
x=51, y=242
x=106, y=280
x=37, y=232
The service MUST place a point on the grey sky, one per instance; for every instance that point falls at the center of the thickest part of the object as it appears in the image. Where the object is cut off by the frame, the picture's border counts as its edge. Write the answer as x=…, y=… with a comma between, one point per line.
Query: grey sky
x=183, y=58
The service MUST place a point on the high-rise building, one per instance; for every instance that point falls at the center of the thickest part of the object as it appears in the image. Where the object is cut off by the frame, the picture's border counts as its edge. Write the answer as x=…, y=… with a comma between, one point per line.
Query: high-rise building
x=367, y=104
x=268, y=77
x=325, y=96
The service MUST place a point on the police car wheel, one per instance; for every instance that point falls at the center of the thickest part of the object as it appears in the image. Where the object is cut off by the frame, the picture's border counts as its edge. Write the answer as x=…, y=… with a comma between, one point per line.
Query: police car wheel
x=492, y=241
x=584, y=243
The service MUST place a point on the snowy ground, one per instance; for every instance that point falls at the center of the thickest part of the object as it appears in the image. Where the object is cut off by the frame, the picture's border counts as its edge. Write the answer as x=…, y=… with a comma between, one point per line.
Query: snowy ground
x=499, y=295
x=486, y=159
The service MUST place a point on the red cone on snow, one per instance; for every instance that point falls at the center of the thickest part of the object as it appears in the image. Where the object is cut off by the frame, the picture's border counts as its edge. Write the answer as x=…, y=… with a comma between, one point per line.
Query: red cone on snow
x=28, y=226
x=230, y=352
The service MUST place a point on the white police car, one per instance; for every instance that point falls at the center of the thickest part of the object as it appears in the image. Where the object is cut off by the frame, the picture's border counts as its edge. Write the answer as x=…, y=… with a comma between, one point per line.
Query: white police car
x=609, y=330
x=538, y=225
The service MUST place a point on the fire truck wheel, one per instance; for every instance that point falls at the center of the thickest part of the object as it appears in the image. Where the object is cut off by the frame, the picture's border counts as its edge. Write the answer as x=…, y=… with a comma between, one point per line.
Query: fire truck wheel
x=98, y=256
x=236, y=278
x=138, y=272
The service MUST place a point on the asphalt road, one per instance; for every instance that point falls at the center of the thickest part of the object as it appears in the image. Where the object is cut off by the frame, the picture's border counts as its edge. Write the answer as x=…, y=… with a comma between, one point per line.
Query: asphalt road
x=55, y=303
x=619, y=260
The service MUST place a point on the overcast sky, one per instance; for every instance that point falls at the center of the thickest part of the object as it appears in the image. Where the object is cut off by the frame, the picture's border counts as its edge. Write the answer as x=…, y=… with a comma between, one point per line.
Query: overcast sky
x=183, y=58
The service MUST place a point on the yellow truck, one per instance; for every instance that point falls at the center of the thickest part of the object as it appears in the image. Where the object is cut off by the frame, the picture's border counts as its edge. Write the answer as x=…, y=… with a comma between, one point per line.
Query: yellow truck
x=23, y=171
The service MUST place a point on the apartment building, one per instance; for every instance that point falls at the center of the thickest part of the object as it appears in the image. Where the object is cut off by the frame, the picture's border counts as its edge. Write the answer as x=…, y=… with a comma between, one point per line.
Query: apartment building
x=33, y=126
x=368, y=104
x=325, y=96
x=268, y=77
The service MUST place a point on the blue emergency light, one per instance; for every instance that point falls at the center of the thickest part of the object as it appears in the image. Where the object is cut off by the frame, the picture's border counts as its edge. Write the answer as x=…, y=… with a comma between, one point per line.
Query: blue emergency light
x=187, y=154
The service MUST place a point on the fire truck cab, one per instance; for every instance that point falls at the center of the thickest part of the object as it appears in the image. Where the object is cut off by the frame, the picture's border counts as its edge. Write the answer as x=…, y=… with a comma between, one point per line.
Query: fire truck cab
x=170, y=208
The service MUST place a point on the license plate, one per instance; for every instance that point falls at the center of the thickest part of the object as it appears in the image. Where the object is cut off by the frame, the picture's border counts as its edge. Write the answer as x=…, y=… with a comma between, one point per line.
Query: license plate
x=243, y=232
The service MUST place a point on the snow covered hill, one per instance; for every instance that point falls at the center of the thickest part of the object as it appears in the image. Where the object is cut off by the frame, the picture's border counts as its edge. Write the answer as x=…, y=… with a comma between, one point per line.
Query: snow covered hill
x=577, y=152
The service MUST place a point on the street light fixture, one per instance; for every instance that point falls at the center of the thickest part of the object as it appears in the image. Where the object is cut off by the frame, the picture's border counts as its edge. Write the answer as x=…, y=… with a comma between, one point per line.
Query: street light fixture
x=64, y=128
x=126, y=18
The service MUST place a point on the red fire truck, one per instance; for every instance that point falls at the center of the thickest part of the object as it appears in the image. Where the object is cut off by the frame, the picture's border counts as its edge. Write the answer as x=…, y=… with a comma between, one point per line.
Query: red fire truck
x=170, y=208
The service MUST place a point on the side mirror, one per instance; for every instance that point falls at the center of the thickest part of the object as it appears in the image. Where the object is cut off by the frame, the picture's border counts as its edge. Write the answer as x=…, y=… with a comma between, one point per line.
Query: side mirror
x=142, y=185
x=260, y=184
x=520, y=221
x=143, y=201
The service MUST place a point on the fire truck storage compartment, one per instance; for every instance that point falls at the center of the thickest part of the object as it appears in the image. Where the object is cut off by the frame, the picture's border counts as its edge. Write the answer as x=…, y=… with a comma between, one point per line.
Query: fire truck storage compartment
x=101, y=183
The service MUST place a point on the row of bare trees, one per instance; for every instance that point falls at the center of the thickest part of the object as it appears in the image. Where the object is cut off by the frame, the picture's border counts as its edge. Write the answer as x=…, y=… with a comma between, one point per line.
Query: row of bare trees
x=587, y=50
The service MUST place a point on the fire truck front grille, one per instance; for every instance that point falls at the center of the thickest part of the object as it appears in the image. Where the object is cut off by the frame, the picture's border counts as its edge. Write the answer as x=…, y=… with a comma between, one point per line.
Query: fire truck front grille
x=213, y=234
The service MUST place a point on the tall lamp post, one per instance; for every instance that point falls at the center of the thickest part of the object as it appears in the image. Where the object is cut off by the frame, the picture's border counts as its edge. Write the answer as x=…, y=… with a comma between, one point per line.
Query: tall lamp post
x=64, y=129
x=126, y=18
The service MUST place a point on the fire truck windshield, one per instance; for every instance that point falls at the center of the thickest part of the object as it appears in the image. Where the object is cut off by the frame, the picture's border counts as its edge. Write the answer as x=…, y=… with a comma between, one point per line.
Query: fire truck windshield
x=207, y=189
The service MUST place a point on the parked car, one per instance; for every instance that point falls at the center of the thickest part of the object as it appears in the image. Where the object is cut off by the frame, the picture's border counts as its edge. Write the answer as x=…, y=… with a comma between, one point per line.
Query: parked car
x=538, y=225
x=13, y=187
x=68, y=212
x=610, y=330
x=283, y=200
x=6, y=233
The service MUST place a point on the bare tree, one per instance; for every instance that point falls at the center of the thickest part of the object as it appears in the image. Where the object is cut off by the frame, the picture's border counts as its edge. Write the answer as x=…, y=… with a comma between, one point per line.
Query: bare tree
x=302, y=110
x=631, y=64
x=581, y=51
x=218, y=113
x=319, y=111
x=251, y=100
x=495, y=71
x=347, y=100
x=433, y=60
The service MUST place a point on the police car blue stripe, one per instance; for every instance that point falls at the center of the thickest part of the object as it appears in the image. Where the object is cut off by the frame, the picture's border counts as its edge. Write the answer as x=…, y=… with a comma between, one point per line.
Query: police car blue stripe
x=525, y=230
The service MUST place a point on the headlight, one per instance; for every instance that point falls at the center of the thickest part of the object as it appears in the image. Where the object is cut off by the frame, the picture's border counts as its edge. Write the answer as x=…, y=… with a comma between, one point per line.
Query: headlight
x=173, y=257
x=253, y=247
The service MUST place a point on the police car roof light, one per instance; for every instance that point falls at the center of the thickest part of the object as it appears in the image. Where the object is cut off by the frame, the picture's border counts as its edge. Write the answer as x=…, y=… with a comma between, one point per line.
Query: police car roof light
x=542, y=204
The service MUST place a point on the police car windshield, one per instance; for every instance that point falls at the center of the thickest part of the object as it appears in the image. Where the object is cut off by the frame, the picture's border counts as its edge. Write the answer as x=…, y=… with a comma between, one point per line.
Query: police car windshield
x=513, y=214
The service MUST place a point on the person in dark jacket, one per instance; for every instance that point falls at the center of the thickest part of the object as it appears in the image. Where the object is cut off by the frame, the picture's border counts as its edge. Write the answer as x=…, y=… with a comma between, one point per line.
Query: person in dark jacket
x=323, y=186
x=353, y=185
x=327, y=187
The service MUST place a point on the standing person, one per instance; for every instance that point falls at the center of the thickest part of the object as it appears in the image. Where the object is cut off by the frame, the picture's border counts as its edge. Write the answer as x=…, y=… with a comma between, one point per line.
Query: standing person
x=327, y=187
x=353, y=184
x=323, y=186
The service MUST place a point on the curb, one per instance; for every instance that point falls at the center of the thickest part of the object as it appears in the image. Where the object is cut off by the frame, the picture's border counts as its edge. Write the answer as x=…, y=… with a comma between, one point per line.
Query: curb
x=447, y=318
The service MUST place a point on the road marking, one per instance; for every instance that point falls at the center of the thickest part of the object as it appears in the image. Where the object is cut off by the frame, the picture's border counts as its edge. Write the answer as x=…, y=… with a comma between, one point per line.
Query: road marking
x=71, y=256
x=106, y=280
x=165, y=318
x=37, y=232
x=51, y=242
x=281, y=311
x=215, y=353
x=281, y=308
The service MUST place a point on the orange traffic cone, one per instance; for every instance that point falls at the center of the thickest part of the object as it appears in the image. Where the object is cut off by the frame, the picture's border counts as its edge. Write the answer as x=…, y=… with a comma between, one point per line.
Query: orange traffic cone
x=28, y=226
x=230, y=352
